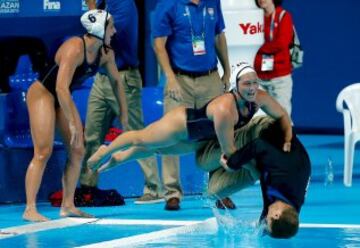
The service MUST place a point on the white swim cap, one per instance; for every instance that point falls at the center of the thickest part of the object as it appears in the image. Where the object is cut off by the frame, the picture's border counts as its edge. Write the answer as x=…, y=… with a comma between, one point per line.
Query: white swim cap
x=94, y=21
x=239, y=70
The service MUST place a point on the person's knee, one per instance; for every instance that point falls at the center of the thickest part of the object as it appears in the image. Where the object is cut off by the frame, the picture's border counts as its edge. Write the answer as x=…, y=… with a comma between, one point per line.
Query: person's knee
x=137, y=139
x=42, y=154
x=207, y=158
x=212, y=192
x=200, y=159
x=77, y=153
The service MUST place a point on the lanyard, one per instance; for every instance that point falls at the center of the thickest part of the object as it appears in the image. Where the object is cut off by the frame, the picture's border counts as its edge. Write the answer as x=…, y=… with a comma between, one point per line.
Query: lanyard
x=272, y=25
x=190, y=22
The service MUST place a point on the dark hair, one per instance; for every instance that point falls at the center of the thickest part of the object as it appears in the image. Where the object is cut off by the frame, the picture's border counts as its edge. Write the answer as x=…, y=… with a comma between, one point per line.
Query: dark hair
x=286, y=226
x=276, y=3
x=273, y=134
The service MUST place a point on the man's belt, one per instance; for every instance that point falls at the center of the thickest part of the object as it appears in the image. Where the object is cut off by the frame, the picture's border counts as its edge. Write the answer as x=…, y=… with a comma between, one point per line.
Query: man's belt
x=193, y=74
x=122, y=68
x=127, y=68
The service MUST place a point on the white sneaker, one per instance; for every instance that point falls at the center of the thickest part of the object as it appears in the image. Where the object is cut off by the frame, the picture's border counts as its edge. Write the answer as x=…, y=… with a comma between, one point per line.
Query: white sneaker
x=148, y=199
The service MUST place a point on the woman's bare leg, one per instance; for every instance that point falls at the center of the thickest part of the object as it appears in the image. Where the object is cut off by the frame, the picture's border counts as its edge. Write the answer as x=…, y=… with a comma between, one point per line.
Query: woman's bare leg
x=167, y=131
x=127, y=155
x=72, y=169
x=42, y=122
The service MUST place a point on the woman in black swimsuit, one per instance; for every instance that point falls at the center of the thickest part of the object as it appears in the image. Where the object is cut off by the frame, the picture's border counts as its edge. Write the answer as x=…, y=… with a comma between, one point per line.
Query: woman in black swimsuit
x=51, y=106
x=219, y=118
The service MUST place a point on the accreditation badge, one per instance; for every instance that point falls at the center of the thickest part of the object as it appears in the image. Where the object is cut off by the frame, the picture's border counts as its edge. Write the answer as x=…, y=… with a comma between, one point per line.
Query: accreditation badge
x=198, y=45
x=211, y=13
x=267, y=63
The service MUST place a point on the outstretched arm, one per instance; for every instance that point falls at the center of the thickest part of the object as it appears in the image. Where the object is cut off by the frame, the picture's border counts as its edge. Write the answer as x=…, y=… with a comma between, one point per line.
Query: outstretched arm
x=255, y=149
x=241, y=156
x=274, y=110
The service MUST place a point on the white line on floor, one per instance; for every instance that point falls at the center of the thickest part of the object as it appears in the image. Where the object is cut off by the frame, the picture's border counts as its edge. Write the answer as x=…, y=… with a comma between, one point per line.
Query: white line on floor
x=69, y=222
x=185, y=227
x=145, y=222
x=209, y=225
x=43, y=226
x=315, y=225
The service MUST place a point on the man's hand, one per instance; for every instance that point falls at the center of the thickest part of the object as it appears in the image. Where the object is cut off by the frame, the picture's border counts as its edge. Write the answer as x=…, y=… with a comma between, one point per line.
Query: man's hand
x=173, y=89
x=223, y=162
x=226, y=81
x=287, y=146
x=124, y=120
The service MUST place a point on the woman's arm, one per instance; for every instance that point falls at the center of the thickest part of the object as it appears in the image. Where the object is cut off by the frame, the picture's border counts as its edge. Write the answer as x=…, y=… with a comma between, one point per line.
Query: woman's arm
x=68, y=58
x=223, y=115
x=274, y=110
x=117, y=86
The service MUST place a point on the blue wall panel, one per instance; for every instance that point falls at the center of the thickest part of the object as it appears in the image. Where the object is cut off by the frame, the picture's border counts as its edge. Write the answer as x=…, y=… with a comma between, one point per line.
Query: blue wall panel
x=330, y=36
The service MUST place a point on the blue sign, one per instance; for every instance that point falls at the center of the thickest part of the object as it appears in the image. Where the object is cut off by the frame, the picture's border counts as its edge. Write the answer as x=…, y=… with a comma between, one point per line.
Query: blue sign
x=52, y=5
x=41, y=8
x=9, y=6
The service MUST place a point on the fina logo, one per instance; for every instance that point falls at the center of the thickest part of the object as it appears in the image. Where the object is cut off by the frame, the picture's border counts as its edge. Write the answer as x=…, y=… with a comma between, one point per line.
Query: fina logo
x=52, y=5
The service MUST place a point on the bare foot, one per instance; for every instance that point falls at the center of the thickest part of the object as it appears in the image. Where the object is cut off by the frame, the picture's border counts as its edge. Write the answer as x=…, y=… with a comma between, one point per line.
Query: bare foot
x=74, y=212
x=31, y=214
x=96, y=160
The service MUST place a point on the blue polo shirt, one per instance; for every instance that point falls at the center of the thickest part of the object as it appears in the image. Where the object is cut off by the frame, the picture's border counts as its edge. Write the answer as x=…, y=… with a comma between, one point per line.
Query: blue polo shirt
x=170, y=19
x=125, y=42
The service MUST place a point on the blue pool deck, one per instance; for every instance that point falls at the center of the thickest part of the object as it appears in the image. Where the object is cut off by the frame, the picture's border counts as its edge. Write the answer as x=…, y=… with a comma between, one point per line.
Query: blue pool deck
x=329, y=218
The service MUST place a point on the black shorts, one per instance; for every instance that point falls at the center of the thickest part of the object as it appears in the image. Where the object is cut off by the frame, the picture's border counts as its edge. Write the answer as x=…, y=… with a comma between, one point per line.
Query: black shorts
x=199, y=127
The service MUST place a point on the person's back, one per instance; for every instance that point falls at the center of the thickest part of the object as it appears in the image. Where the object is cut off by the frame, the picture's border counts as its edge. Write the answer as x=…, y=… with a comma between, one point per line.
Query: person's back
x=48, y=76
x=288, y=173
x=126, y=21
x=284, y=178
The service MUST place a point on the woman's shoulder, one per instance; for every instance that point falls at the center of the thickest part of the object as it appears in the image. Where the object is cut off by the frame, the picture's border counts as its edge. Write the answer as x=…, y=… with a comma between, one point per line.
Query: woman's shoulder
x=74, y=40
x=73, y=43
x=221, y=102
x=226, y=98
x=72, y=47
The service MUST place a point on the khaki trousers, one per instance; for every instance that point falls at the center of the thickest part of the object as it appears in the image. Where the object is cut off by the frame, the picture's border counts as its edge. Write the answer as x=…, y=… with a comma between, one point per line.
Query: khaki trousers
x=102, y=109
x=280, y=88
x=221, y=182
x=196, y=92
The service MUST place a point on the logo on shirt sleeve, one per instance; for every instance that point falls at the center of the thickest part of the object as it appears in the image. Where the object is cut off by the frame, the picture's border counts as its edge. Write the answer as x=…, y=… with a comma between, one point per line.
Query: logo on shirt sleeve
x=211, y=13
